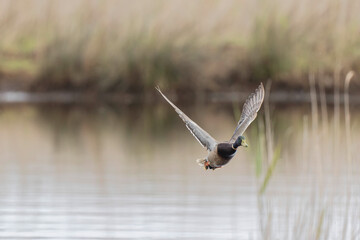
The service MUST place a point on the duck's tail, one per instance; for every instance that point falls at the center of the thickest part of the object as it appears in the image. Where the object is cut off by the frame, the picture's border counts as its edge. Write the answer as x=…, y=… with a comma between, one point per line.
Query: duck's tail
x=203, y=163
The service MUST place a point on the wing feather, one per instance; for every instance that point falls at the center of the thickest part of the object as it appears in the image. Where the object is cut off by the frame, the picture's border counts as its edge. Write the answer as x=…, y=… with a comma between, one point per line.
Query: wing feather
x=200, y=134
x=249, y=112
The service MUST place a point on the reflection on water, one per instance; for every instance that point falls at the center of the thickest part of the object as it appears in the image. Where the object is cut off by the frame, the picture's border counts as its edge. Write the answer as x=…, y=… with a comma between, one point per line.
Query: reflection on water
x=130, y=173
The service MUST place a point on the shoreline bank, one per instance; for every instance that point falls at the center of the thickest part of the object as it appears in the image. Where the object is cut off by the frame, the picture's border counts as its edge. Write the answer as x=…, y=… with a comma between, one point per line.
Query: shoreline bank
x=278, y=97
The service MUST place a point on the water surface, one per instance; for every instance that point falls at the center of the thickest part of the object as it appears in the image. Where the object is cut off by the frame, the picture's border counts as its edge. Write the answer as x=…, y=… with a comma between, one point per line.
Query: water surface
x=129, y=172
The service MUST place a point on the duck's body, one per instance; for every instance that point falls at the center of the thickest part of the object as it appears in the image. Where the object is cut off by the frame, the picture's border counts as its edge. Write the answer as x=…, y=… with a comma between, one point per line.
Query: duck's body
x=221, y=153
x=220, y=156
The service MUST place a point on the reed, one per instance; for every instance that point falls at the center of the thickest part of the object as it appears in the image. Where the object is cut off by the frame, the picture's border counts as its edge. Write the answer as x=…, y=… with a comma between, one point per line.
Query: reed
x=317, y=218
x=129, y=46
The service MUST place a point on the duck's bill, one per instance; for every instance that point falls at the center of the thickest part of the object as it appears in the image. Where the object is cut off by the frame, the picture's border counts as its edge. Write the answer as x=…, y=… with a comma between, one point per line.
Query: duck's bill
x=244, y=144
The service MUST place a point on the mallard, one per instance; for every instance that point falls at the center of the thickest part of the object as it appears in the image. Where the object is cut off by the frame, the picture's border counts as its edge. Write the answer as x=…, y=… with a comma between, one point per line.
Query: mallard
x=220, y=153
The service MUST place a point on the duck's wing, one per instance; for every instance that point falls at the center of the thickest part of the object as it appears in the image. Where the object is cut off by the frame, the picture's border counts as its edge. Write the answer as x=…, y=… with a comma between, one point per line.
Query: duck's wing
x=249, y=112
x=200, y=134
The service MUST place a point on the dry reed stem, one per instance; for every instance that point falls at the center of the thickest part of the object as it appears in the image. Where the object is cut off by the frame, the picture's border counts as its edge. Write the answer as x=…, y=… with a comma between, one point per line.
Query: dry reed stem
x=315, y=148
x=269, y=137
x=348, y=78
x=348, y=144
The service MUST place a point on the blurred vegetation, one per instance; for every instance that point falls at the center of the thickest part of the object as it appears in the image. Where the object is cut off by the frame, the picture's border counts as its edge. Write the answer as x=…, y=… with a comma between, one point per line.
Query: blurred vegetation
x=129, y=46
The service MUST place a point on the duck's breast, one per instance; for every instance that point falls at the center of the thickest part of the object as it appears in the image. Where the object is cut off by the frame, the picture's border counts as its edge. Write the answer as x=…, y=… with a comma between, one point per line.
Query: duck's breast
x=221, y=155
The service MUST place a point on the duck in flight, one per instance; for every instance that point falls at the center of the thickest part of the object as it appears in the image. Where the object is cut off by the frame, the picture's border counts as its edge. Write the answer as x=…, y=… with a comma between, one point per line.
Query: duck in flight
x=220, y=153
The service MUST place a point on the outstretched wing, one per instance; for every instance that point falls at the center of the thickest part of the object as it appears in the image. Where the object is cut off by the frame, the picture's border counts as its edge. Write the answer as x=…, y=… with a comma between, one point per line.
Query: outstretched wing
x=249, y=112
x=201, y=135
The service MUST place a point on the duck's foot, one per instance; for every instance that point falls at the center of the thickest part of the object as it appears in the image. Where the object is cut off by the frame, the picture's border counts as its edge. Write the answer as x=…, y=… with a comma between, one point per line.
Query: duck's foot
x=207, y=165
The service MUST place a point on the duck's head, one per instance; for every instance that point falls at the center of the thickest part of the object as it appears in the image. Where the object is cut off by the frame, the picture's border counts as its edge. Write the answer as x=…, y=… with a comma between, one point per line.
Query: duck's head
x=240, y=141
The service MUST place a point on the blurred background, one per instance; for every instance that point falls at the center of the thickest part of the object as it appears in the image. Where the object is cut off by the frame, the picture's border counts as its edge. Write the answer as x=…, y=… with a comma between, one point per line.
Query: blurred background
x=89, y=150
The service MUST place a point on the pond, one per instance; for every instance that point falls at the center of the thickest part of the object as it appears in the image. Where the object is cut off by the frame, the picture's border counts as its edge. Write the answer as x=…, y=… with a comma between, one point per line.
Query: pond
x=129, y=172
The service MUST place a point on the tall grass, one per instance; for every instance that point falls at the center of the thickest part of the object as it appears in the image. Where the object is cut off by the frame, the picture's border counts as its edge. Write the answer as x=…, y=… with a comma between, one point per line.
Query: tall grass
x=328, y=214
x=130, y=45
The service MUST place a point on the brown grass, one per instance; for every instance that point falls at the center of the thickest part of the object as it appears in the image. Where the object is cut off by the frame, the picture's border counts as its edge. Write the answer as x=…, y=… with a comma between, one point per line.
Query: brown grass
x=131, y=46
